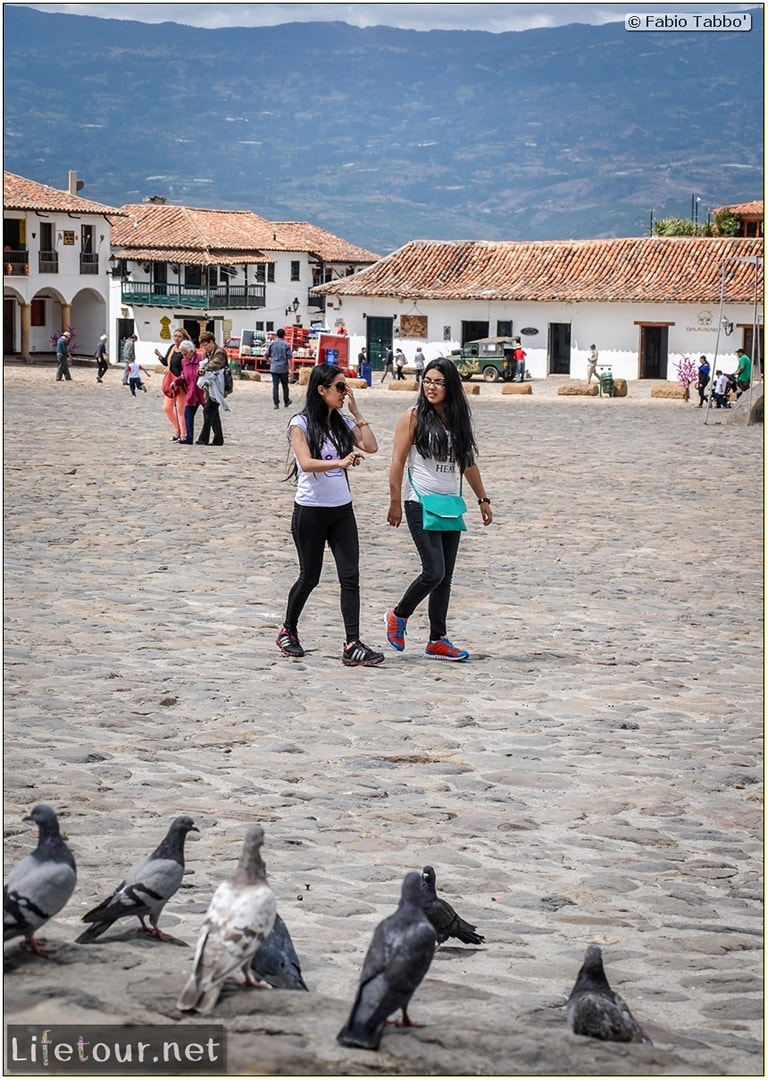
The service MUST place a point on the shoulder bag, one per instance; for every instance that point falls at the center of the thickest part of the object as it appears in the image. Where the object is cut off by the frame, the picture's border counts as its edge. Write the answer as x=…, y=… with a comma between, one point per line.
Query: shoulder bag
x=442, y=513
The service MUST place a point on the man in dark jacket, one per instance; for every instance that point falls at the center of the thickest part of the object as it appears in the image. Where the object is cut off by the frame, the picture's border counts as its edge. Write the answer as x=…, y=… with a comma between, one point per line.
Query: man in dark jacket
x=280, y=355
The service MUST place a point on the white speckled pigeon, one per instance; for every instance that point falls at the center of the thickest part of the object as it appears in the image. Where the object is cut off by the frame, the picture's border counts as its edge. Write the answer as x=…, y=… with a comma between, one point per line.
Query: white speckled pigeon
x=397, y=960
x=442, y=916
x=39, y=886
x=147, y=887
x=276, y=961
x=594, y=1009
x=240, y=918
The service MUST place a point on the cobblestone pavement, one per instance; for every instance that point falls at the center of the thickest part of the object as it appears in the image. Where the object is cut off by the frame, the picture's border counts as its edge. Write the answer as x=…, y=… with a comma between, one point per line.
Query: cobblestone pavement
x=592, y=774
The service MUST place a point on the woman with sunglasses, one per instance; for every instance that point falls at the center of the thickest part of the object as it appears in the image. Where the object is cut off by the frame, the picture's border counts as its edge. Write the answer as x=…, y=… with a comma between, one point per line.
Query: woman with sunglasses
x=435, y=442
x=325, y=444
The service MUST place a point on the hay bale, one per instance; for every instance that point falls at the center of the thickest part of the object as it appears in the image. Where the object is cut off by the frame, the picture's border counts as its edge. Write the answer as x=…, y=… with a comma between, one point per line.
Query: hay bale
x=578, y=390
x=250, y=376
x=404, y=384
x=672, y=392
x=471, y=388
x=517, y=388
x=304, y=372
x=357, y=384
x=620, y=388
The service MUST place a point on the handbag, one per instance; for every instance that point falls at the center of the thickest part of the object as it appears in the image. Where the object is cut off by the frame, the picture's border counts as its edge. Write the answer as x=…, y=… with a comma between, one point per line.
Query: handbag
x=168, y=379
x=229, y=384
x=441, y=513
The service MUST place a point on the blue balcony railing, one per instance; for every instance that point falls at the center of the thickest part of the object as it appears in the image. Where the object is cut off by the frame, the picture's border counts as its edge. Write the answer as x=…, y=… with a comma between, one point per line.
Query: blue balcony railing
x=156, y=294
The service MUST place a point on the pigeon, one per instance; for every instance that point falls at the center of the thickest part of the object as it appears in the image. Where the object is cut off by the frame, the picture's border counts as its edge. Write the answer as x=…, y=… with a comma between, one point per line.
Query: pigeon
x=276, y=961
x=442, y=916
x=239, y=919
x=146, y=889
x=398, y=958
x=594, y=1009
x=40, y=885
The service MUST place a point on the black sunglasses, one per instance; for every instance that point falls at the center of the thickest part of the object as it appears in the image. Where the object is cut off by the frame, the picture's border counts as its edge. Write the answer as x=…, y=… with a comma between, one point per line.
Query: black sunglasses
x=340, y=386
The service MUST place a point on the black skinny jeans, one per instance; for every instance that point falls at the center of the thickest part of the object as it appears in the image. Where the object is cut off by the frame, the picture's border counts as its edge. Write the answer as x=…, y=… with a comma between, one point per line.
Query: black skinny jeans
x=312, y=527
x=437, y=551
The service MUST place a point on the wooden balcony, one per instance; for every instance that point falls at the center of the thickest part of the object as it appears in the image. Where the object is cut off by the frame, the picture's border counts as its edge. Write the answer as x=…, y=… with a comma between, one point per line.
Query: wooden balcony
x=154, y=294
x=89, y=264
x=48, y=262
x=15, y=262
x=315, y=301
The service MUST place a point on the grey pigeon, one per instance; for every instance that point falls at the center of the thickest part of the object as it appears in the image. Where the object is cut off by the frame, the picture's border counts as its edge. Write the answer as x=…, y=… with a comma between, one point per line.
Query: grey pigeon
x=442, y=916
x=146, y=889
x=398, y=958
x=239, y=919
x=276, y=961
x=594, y=1009
x=39, y=886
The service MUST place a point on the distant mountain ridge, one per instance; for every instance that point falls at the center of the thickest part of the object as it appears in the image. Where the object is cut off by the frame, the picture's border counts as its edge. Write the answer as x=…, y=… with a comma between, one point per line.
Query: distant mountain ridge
x=383, y=135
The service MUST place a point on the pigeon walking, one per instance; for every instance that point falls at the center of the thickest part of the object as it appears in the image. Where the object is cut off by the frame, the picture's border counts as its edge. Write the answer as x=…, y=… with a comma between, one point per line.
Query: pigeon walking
x=398, y=958
x=442, y=916
x=276, y=961
x=39, y=885
x=240, y=918
x=594, y=1009
x=146, y=889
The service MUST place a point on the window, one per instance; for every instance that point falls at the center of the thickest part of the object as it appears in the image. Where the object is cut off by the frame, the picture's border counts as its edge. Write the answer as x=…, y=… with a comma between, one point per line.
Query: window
x=213, y=277
x=46, y=236
x=504, y=328
x=260, y=272
x=37, y=312
x=193, y=277
x=271, y=272
x=86, y=239
x=295, y=270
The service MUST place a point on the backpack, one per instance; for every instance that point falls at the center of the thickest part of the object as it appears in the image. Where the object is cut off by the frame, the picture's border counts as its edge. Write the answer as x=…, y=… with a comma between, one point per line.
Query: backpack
x=229, y=384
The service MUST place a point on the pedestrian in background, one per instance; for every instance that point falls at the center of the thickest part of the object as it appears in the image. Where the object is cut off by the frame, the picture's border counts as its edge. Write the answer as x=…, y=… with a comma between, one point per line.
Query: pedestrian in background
x=62, y=355
x=102, y=358
x=400, y=364
x=703, y=376
x=418, y=363
x=280, y=356
x=389, y=364
x=174, y=390
x=211, y=382
x=592, y=364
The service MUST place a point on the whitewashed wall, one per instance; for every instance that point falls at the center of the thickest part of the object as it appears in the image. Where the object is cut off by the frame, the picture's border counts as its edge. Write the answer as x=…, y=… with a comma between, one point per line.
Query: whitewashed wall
x=612, y=327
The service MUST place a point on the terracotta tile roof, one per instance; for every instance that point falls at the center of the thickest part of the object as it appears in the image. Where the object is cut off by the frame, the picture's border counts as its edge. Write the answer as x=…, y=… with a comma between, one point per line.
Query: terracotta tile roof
x=303, y=236
x=161, y=227
x=189, y=258
x=640, y=269
x=745, y=209
x=22, y=194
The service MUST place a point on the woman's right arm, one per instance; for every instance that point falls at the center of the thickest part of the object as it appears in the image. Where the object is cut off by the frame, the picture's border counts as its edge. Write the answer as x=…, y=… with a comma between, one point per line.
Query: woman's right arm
x=404, y=435
x=308, y=464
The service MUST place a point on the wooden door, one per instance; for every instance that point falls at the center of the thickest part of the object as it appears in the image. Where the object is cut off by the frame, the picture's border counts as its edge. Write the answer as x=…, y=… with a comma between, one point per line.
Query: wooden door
x=654, y=352
x=378, y=338
x=559, y=349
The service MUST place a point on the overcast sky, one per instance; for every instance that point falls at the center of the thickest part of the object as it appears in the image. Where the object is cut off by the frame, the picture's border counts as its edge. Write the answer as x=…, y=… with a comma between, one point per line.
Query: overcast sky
x=494, y=18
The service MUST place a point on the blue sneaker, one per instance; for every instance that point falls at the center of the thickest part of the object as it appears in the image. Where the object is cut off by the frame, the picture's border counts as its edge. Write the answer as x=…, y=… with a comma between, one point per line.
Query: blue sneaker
x=395, y=630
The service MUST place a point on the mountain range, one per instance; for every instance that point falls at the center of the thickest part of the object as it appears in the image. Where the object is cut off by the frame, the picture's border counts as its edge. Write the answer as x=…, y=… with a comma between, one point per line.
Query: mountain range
x=384, y=135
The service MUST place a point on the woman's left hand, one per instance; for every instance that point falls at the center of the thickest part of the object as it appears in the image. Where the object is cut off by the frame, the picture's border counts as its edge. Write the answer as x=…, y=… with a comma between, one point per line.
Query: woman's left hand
x=349, y=398
x=485, y=510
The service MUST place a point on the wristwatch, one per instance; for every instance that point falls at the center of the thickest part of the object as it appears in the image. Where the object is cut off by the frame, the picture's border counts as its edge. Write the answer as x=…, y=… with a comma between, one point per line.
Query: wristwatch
x=481, y=501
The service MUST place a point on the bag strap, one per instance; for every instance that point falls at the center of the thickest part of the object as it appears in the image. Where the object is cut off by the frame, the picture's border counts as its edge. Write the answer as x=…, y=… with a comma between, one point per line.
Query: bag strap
x=416, y=490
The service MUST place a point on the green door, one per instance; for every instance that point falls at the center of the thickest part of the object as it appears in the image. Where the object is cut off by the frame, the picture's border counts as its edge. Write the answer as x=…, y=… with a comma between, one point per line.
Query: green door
x=378, y=338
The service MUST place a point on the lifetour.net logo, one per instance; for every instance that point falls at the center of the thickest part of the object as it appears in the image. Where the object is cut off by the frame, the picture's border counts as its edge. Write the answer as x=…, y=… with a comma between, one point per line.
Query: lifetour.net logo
x=88, y=1050
x=705, y=21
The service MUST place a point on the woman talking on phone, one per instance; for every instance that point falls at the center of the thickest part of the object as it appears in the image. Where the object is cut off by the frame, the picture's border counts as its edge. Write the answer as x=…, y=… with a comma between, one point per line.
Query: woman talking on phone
x=326, y=443
x=435, y=442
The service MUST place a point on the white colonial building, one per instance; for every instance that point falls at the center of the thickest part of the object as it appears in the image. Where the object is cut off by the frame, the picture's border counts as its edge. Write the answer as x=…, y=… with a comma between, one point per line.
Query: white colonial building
x=644, y=302
x=56, y=248
x=220, y=270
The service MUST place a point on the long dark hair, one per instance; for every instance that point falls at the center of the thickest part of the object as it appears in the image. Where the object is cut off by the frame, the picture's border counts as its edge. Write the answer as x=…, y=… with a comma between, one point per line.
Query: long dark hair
x=450, y=437
x=323, y=424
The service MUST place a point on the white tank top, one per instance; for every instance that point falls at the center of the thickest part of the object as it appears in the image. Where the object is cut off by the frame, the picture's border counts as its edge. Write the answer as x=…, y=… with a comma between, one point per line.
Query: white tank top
x=430, y=477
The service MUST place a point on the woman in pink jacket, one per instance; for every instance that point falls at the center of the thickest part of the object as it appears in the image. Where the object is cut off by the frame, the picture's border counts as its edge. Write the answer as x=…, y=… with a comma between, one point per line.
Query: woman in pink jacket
x=193, y=395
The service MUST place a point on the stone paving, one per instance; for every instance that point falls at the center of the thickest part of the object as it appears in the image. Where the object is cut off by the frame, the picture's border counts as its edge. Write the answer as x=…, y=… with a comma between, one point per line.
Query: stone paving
x=592, y=775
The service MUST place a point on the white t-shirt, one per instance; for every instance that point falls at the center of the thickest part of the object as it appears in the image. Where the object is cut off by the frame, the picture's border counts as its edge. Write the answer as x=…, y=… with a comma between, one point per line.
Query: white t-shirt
x=322, y=488
x=430, y=477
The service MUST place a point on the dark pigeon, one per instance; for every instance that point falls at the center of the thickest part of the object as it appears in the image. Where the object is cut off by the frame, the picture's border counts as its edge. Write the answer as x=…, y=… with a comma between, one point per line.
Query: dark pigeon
x=40, y=885
x=239, y=920
x=397, y=960
x=146, y=889
x=594, y=1009
x=442, y=916
x=276, y=961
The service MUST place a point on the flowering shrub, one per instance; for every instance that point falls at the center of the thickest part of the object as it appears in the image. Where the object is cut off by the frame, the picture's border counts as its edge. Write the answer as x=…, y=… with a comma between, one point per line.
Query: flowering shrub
x=54, y=338
x=687, y=371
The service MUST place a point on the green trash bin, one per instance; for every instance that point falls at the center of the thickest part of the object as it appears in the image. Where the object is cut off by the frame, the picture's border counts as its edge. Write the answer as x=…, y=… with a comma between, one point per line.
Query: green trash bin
x=606, y=384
